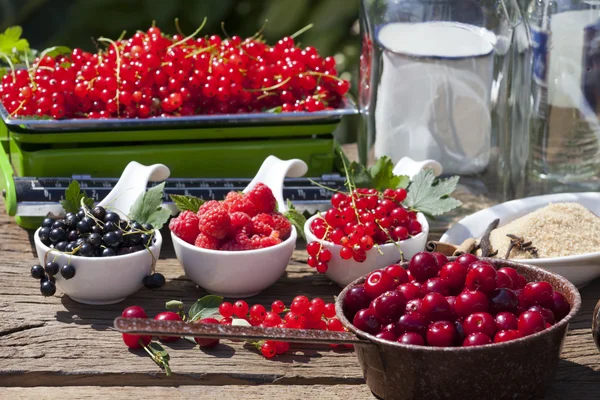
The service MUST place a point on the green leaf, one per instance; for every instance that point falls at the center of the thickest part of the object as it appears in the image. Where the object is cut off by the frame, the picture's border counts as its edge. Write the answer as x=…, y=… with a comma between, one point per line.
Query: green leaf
x=174, y=304
x=159, y=356
x=360, y=175
x=204, y=307
x=275, y=110
x=383, y=175
x=289, y=204
x=73, y=197
x=147, y=207
x=187, y=203
x=158, y=350
x=56, y=51
x=11, y=41
x=297, y=220
x=431, y=197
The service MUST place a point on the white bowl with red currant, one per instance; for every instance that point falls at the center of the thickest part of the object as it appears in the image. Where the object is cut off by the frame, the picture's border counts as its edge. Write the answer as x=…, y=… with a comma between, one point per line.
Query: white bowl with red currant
x=369, y=228
x=241, y=245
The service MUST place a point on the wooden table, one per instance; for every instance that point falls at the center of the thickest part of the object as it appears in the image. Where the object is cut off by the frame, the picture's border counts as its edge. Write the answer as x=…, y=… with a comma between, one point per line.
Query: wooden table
x=56, y=348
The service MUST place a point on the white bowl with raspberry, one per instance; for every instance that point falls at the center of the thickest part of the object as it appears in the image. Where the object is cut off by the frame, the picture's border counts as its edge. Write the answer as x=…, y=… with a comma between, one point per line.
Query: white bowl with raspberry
x=243, y=244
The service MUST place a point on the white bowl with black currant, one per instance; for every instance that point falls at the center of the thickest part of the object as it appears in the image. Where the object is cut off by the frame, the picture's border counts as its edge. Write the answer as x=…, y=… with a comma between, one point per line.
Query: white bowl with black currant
x=98, y=254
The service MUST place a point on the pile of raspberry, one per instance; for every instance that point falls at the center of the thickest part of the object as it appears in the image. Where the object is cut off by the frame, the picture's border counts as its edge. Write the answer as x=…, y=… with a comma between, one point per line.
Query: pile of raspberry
x=240, y=222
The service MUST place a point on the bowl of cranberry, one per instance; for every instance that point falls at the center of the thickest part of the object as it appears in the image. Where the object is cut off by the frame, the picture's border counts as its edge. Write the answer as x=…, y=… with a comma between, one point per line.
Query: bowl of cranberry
x=363, y=232
x=461, y=327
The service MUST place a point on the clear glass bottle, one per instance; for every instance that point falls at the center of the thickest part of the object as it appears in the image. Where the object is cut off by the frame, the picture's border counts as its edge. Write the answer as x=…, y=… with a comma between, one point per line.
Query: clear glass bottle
x=438, y=80
x=564, y=134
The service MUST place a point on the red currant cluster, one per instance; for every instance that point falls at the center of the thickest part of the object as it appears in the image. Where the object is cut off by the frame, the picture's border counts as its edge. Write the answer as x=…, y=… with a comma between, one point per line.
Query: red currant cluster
x=360, y=221
x=302, y=314
x=152, y=74
x=466, y=302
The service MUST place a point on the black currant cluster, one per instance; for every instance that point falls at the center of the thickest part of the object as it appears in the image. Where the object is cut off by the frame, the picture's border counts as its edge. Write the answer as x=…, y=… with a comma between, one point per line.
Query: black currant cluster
x=92, y=233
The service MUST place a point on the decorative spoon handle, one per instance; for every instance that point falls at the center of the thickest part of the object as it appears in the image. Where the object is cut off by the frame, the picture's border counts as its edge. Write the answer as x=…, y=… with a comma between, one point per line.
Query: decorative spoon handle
x=216, y=331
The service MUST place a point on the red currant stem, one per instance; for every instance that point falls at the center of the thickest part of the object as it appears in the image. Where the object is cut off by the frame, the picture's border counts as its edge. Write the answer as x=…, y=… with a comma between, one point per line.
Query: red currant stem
x=185, y=39
x=266, y=94
x=46, y=68
x=122, y=36
x=378, y=248
x=18, y=108
x=224, y=31
x=12, y=67
x=260, y=31
x=177, y=27
x=200, y=51
x=337, y=78
x=324, y=187
x=118, y=55
x=280, y=84
x=301, y=31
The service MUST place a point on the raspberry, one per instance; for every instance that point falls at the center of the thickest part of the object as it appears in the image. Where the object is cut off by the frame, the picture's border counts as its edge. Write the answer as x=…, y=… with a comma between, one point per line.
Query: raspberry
x=262, y=224
x=262, y=197
x=235, y=201
x=215, y=222
x=281, y=225
x=239, y=219
x=240, y=242
x=207, y=242
x=207, y=206
x=185, y=226
x=261, y=242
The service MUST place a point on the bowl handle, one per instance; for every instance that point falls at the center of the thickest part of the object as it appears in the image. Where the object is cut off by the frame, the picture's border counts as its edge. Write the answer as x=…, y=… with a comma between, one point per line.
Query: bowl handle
x=408, y=166
x=596, y=325
x=132, y=184
x=273, y=171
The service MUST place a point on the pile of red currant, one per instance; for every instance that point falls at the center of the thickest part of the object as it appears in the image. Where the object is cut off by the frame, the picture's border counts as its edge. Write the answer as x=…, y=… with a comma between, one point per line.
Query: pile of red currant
x=466, y=302
x=152, y=74
x=360, y=221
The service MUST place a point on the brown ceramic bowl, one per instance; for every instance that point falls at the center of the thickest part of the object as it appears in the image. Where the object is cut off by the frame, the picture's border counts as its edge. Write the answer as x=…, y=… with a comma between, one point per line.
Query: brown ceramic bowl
x=519, y=369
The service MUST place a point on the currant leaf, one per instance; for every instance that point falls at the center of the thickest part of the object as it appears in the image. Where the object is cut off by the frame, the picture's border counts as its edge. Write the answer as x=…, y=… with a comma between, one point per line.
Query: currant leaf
x=187, y=203
x=147, y=208
x=73, y=197
x=429, y=196
x=297, y=220
x=204, y=307
x=383, y=176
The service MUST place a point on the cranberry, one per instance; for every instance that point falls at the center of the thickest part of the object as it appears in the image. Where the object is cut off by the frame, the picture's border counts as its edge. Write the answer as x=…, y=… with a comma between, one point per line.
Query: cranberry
x=506, y=321
x=366, y=321
x=423, y=266
x=477, y=339
x=411, y=338
x=505, y=336
x=412, y=322
x=356, y=299
x=531, y=322
x=441, y=334
x=560, y=306
x=503, y=300
x=470, y=302
x=435, y=307
x=454, y=273
x=480, y=322
x=482, y=277
x=410, y=291
x=414, y=305
x=547, y=314
x=466, y=260
x=398, y=273
x=207, y=343
x=441, y=258
x=538, y=293
x=134, y=312
x=388, y=307
x=512, y=274
x=168, y=316
x=378, y=282
x=386, y=335
x=437, y=285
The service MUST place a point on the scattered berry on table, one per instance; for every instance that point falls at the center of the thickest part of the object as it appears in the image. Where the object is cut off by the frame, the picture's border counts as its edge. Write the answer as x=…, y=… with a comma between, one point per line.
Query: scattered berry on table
x=473, y=311
x=154, y=281
x=168, y=316
x=203, y=342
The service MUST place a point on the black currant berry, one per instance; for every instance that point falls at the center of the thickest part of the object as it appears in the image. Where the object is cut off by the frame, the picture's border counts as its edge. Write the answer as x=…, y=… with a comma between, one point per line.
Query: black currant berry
x=119, y=234
x=147, y=227
x=86, y=250
x=48, y=278
x=59, y=224
x=112, y=217
x=137, y=247
x=61, y=246
x=134, y=238
x=45, y=234
x=154, y=281
x=84, y=227
x=52, y=268
x=123, y=251
x=79, y=242
x=72, y=236
x=47, y=223
x=37, y=272
x=108, y=252
x=48, y=288
x=99, y=212
x=97, y=229
x=57, y=235
x=110, y=227
x=71, y=220
x=81, y=214
x=111, y=239
x=67, y=271
x=145, y=239
x=94, y=239
x=136, y=226
x=70, y=247
x=124, y=225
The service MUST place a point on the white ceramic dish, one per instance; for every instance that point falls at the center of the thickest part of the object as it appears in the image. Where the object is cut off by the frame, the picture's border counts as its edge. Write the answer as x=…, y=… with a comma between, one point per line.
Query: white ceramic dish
x=239, y=274
x=580, y=269
x=343, y=271
x=109, y=280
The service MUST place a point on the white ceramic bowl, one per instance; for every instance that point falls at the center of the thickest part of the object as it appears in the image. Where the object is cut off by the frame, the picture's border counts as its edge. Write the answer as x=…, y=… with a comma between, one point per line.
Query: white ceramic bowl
x=235, y=274
x=343, y=271
x=580, y=269
x=101, y=280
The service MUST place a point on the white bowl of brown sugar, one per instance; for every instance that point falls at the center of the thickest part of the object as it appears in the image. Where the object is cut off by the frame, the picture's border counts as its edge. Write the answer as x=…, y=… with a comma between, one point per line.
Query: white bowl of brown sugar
x=557, y=232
